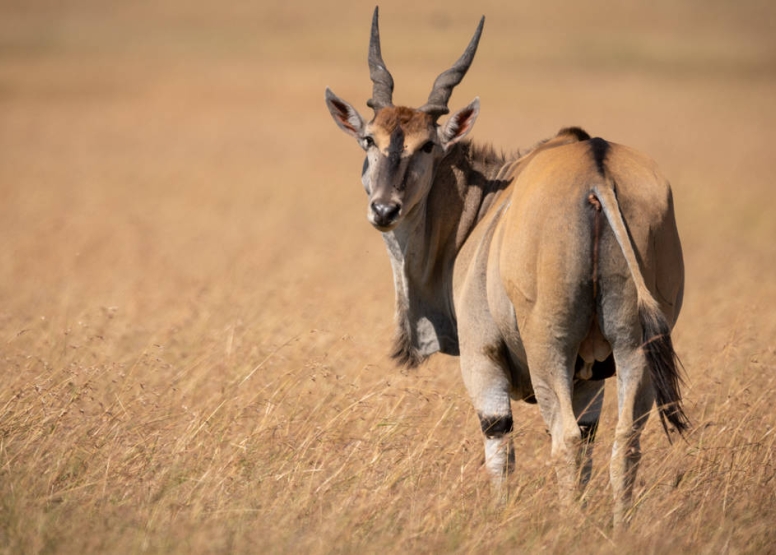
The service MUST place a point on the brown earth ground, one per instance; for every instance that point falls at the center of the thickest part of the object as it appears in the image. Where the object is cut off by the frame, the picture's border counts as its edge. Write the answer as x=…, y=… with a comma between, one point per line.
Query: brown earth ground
x=195, y=314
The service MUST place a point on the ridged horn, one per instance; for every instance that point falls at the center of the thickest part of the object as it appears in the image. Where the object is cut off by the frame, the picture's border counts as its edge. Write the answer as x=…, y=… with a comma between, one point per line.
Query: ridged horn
x=382, y=91
x=444, y=84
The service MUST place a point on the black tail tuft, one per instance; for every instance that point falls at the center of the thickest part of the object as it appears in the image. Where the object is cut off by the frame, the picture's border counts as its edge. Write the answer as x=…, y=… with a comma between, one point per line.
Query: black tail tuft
x=664, y=369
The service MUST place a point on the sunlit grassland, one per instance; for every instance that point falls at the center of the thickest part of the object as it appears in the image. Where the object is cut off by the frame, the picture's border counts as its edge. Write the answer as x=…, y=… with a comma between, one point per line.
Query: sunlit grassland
x=194, y=313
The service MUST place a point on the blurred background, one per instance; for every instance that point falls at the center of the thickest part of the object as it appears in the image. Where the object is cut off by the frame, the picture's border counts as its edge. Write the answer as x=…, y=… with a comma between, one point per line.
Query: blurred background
x=190, y=138
x=179, y=213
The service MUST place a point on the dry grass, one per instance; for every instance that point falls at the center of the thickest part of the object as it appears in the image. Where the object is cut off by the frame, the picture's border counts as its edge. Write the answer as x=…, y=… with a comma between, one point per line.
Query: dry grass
x=194, y=313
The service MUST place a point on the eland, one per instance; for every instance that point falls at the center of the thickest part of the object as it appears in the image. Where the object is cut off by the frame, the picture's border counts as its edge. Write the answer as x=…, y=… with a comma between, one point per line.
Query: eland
x=546, y=271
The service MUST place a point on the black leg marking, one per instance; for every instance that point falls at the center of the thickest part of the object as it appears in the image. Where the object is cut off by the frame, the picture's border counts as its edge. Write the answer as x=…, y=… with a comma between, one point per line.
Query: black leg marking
x=495, y=426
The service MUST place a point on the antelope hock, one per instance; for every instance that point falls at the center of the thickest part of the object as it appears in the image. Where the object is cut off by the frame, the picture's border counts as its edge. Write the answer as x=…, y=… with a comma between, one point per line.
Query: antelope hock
x=546, y=272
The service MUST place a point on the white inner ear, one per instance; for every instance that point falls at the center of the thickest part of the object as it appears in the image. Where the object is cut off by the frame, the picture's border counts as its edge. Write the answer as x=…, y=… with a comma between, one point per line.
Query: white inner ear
x=459, y=124
x=345, y=116
x=350, y=121
x=354, y=120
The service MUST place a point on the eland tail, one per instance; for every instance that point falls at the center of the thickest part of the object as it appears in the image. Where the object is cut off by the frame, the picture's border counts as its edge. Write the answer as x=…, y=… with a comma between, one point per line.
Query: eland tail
x=664, y=366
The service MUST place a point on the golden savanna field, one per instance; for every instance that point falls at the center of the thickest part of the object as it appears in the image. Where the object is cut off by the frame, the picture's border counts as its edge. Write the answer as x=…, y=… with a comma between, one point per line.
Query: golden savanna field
x=195, y=314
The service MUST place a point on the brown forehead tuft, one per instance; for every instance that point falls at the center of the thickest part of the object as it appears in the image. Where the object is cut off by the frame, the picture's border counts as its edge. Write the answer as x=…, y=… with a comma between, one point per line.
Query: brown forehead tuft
x=411, y=121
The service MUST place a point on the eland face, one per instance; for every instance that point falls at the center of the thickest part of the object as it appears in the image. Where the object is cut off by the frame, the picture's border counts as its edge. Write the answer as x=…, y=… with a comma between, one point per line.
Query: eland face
x=401, y=152
x=403, y=145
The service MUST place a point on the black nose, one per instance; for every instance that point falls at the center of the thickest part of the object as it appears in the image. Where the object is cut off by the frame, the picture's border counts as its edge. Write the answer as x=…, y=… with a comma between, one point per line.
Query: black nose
x=385, y=214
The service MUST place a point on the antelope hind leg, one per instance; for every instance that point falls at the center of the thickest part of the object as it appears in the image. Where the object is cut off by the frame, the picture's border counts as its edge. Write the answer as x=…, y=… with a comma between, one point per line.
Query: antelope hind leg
x=588, y=398
x=635, y=397
x=488, y=386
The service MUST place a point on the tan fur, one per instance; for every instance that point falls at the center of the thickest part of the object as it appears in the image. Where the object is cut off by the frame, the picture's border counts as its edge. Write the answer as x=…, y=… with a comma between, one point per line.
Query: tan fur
x=544, y=255
x=418, y=127
x=535, y=268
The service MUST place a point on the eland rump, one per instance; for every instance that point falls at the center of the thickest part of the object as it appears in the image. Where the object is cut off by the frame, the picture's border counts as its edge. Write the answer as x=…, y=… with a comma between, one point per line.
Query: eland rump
x=546, y=272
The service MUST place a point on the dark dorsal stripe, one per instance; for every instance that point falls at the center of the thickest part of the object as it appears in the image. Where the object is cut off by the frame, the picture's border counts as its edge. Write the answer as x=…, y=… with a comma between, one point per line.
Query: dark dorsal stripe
x=599, y=148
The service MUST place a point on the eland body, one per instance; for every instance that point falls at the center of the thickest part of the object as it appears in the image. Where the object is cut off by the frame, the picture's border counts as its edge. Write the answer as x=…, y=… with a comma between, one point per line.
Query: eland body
x=546, y=272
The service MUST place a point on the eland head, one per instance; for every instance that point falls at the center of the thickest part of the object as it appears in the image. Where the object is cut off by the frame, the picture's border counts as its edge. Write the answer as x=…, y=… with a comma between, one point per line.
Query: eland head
x=403, y=145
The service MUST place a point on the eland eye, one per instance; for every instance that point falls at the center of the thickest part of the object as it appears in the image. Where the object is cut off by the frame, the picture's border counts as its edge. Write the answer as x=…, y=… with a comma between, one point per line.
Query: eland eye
x=369, y=142
x=428, y=147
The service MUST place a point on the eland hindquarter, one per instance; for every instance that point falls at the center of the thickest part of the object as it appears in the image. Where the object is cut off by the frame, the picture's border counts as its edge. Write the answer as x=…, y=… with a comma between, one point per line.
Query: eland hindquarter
x=547, y=271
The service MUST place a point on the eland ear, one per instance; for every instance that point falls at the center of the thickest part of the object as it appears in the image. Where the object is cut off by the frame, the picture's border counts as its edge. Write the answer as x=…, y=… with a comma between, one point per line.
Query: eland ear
x=459, y=124
x=345, y=115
